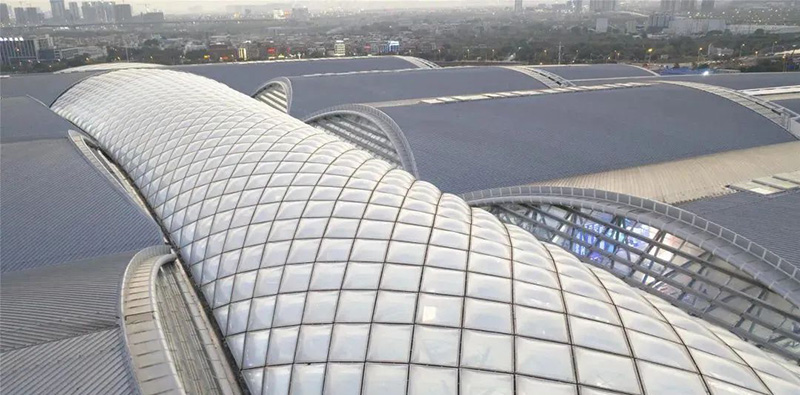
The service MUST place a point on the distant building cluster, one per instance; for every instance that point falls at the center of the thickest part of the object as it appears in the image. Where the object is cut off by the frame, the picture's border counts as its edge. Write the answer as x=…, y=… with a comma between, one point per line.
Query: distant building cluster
x=16, y=50
x=88, y=12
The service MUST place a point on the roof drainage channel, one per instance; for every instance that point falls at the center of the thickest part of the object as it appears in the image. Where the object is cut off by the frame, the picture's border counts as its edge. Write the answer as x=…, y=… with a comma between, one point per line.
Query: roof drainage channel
x=166, y=331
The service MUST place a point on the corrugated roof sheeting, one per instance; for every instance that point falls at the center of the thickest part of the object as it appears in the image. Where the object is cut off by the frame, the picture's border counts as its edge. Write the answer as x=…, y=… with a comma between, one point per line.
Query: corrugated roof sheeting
x=249, y=76
x=58, y=208
x=314, y=93
x=483, y=144
x=95, y=363
x=772, y=221
x=26, y=119
x=50, y=303
x=693, y=178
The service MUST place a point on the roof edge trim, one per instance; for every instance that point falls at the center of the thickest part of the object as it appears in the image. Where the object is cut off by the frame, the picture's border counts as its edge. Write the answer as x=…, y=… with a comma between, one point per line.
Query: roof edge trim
x=419, y=62
x=677, y=220
x=642, y=68
x=282, y=84
x=549, y=79
x=382, y=122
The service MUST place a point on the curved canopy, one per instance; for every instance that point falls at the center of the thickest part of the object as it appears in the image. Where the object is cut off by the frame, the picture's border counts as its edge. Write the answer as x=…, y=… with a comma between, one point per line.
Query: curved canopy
x=109, y=67
x=327, y=269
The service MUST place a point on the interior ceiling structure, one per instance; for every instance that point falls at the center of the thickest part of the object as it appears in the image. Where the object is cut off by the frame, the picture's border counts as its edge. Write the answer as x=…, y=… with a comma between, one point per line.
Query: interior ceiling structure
x=329, y=269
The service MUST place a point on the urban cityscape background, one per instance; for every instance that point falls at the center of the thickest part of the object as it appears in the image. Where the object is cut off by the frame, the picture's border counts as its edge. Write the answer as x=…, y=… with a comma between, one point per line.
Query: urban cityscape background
x=670, y=36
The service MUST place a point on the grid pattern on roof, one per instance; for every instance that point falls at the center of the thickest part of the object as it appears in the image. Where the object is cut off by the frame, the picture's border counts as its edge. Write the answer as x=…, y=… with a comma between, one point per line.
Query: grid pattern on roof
x=109, y=67
x=330, y=270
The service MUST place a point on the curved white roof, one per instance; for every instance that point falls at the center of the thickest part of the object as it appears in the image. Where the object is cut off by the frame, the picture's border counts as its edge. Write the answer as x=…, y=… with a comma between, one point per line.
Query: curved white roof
x=110, y=66
x=329, y=270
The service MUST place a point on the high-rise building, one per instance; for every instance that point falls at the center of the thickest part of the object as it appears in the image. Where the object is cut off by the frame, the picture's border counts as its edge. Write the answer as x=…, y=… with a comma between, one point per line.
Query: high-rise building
x=5, y=17
x=577, y=5
x=153, y=17
x=107, y=11
x=74, y=13
x=659, y=21
x=707, y=6
x=602, y=5
x=518, y=6
x=339, y=48
x=99, y=11
x=19, y=16
x=669, y=6
x=688, y=6
x=123, y=12
x=14, y=50
x=32, y=15
x=58, y=10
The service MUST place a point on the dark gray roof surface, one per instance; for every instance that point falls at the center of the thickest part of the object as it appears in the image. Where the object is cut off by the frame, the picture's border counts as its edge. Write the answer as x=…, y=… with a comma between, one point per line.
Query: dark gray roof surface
x=737, y=81
x=578, y=72
x=740, y=81
x=55, y=302
x=773, y=221
x=67, y=233
x=244, y=77
x=58, y=208
x=25, y=119
x=314, y=93
x=476, y=145
x=45, y=87
x=95, y=363
x=248, y=77
x=792, y=104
